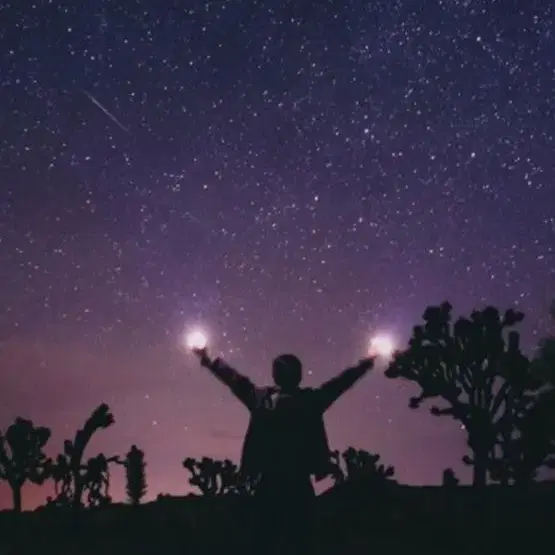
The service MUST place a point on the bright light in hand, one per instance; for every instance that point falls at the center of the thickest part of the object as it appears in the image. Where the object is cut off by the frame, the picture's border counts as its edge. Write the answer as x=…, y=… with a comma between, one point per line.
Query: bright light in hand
x=196, y=340
x=382, y=346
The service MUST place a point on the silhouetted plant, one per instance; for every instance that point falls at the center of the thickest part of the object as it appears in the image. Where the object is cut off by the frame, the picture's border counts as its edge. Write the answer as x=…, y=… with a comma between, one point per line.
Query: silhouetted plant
x=450, y=479
x=536, y=441
x=356, y=464
x=544, y=361
x=22, y=457
x=63, y=483
x=215, y=478
x=135, y=475
x=236, y=482
x=72, y=476
x=485, y=380
x=206, y=475
x=97, y=479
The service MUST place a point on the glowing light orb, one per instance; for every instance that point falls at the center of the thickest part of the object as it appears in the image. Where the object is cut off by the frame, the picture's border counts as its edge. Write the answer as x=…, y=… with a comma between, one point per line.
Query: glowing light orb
x=382, y=346
x=196, y=340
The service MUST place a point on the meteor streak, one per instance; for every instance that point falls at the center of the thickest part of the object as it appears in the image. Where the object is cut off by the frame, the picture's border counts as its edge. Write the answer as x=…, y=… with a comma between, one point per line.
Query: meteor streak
x=107, y=112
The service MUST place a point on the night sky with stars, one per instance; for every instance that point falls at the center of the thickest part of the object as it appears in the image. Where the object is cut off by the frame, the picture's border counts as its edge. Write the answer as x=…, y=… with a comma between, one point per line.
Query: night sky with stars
x=290, y=176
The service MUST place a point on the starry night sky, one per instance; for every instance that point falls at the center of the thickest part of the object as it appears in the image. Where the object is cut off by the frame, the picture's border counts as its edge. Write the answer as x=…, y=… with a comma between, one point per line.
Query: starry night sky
x=290, y=176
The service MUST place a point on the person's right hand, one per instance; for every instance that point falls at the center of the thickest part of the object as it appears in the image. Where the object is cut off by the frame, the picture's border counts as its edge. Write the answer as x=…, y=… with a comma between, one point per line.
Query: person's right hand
x=367, y=363
x=202, y=354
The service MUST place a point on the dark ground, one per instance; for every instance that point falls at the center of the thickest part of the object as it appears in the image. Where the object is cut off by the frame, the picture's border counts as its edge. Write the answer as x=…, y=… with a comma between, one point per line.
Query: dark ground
x=354, y=518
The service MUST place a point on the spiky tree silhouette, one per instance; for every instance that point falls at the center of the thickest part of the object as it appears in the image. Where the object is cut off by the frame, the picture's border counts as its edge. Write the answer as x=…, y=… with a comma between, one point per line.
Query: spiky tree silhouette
x=206, y=475
x=135, y=473
x=536, y=441
x=71, y=472
x=357, y=464
x=63, y=484
x=22, y=457
x=97, y=480
x=236, y=482
x=215, y=478
x=484, y=379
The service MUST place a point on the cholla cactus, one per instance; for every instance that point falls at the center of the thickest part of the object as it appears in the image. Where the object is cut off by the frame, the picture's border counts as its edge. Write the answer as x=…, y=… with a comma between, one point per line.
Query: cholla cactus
x=97, y=480
x=215, y=478
x=355, y=464
x=205, y=475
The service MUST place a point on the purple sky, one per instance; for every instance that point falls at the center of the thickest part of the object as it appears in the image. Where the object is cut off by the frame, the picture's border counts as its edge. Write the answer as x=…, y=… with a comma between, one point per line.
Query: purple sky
x=291, y=176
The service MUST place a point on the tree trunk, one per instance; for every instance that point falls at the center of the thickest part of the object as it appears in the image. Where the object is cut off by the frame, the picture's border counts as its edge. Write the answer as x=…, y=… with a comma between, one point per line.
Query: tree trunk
x=79, y=490
x=480, y=470
x=16, y=496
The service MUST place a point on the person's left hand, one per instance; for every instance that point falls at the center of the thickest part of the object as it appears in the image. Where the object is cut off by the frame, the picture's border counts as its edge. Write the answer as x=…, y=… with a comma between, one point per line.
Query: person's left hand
x=367, y=363
x=202, y=354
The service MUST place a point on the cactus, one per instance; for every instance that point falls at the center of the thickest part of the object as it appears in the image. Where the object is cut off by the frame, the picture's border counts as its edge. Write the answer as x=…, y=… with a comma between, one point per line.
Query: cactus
x=97, y=480
x=135, y=475
x=72, y=476
x=356, y=464
x=216, y=478
x=22, y=457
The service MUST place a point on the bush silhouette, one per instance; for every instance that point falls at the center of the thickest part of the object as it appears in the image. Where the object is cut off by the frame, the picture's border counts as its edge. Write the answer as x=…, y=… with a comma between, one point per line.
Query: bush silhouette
x=450, y=479
x=216, y=478
x=204, y=475
x=485, y=380
x=356, y=464
x=72, y=477
x=135, y=475
x=22, y=457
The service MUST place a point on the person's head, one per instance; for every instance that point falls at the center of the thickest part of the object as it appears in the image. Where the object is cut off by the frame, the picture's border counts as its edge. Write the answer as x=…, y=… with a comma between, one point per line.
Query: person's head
x=287, y=371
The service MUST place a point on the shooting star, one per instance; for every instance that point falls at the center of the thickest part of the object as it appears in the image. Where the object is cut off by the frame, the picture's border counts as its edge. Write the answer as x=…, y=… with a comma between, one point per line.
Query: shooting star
x=109, y=114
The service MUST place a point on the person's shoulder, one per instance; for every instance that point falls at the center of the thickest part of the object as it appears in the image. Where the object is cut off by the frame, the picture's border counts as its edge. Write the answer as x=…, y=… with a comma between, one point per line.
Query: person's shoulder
x=264, y=391
x=263, y=395
x=308, y=393
x=307, y=390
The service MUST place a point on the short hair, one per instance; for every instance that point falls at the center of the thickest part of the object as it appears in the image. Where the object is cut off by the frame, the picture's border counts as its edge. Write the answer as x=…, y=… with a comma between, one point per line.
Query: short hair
x=287, y=371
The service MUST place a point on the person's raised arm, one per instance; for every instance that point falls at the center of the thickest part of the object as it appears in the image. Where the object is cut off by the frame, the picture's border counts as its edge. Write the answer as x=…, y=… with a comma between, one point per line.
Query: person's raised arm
x=239, y=385
x=331, y=390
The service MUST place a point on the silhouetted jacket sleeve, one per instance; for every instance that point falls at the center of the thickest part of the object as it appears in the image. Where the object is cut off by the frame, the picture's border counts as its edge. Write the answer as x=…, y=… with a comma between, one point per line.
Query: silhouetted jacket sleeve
x=240, y=385
x=331, y=390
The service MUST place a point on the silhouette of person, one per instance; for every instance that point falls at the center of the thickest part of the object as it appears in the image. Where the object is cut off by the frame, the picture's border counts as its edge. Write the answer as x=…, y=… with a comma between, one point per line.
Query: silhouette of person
x=285, y=444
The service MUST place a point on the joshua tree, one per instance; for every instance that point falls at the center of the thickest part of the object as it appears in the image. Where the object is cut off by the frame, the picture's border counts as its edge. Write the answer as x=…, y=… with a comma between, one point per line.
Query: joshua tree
x=73, y=475
x=485, y=380
x=22, y=457
x=356, y=464
x=135, y=475
x=536, y=441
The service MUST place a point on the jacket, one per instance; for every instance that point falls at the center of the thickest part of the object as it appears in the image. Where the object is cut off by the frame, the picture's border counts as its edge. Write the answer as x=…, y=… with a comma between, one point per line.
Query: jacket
x=260, y=400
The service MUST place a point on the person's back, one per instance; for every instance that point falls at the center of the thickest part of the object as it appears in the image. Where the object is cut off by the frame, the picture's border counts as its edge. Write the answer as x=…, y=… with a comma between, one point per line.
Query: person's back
x=287, y=431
